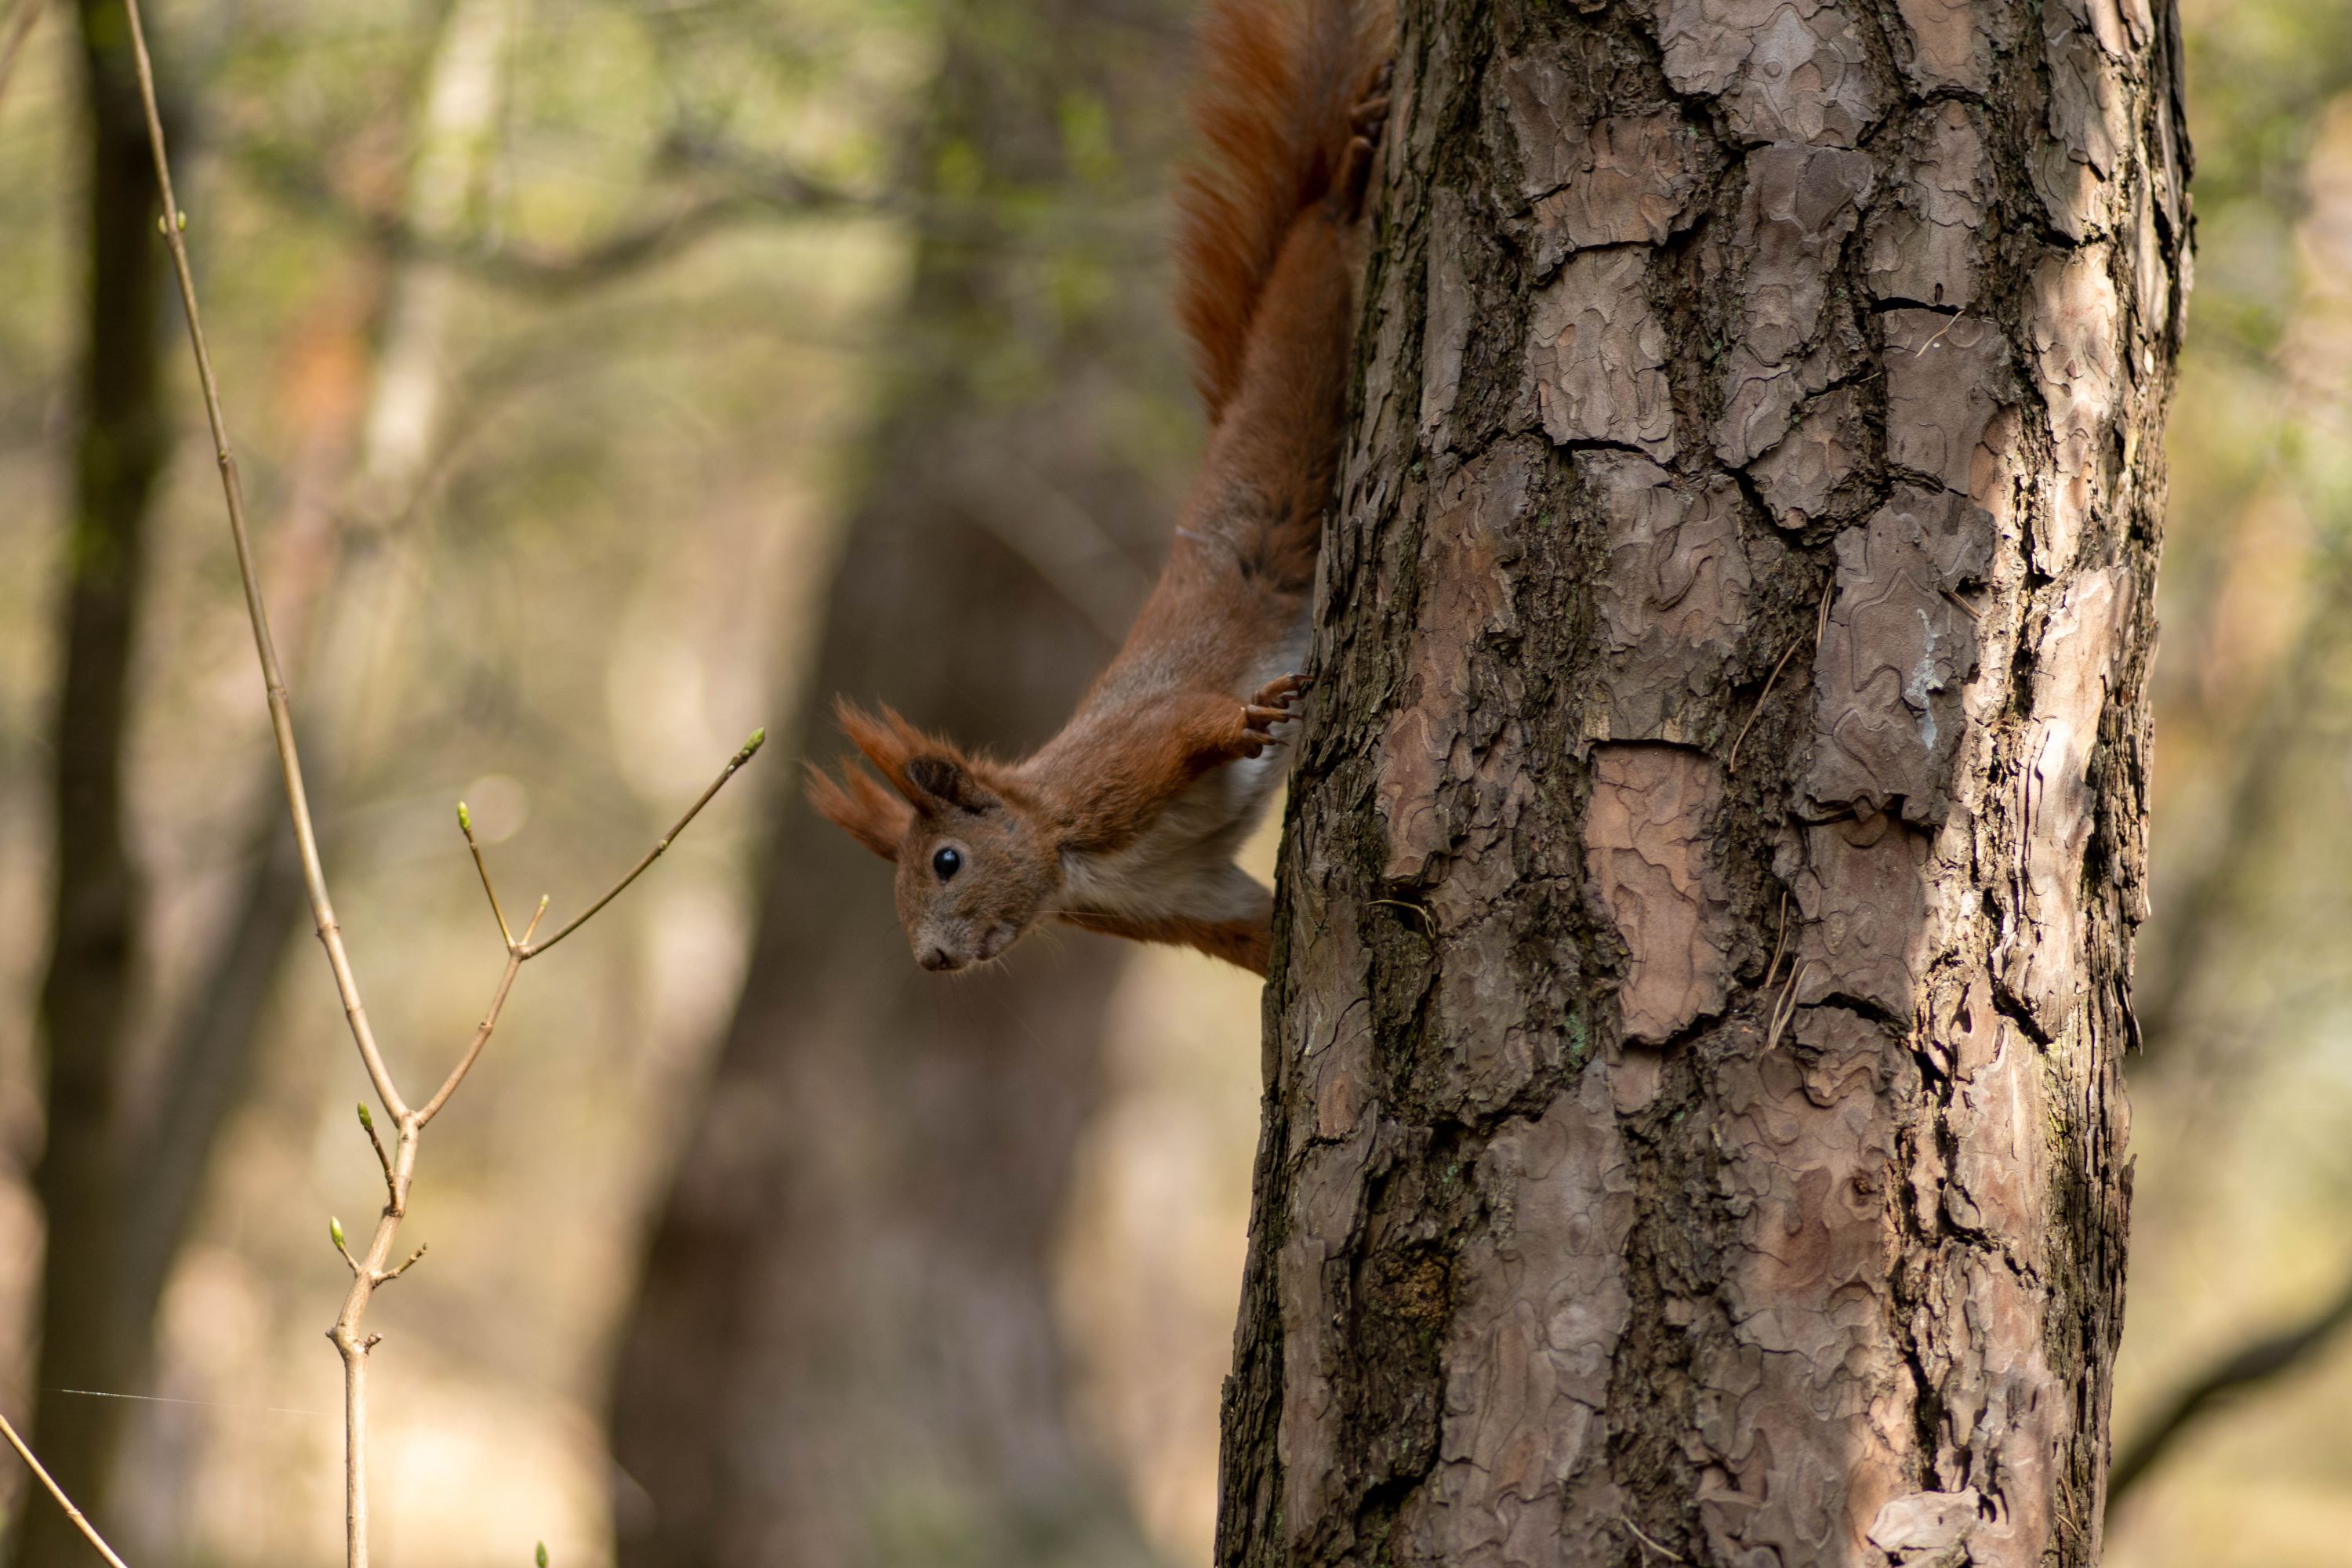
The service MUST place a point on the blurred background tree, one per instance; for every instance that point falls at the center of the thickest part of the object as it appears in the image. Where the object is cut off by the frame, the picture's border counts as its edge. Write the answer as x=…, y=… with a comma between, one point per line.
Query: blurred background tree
x=591, y=359
x=91, y=1333
x=2243, y=1121
x=843, y=1348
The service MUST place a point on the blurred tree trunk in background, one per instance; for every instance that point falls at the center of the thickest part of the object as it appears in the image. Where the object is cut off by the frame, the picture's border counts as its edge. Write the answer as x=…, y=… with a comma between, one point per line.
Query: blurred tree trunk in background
x=845, y=1349
x=90, y=992
x=1694, y=1123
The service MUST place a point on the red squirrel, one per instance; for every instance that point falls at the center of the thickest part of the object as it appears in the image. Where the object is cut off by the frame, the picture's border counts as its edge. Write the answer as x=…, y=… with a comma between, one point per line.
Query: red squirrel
x=1126, y=821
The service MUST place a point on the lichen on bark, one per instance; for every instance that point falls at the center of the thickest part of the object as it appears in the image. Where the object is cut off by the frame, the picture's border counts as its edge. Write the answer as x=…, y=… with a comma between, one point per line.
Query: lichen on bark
x=1692, y=1123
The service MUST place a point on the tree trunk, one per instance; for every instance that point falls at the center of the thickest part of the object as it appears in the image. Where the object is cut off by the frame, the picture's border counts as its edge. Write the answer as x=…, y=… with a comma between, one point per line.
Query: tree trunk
x=87, y=995
x=844, y=1350
x=1694, y=1130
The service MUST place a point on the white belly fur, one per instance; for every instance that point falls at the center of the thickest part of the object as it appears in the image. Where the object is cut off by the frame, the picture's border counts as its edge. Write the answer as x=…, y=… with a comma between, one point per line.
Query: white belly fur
x=1182, y=866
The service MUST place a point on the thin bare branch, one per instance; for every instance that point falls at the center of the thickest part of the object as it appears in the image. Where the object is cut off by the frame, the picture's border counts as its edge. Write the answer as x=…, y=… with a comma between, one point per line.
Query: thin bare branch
x=12, y=43
x=2259, y=1362
x=466, y=827
x=734, y=762
x=1041, y=522
x=90, y=1531
x=516, y=954
x=756, y=189
x=281, y=722
x=623, y=253
x=387, y=1277
x=933, y=214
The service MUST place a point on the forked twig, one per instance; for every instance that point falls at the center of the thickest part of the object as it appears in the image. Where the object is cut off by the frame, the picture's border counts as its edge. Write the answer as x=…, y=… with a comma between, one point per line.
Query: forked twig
x=89, y=1531
x=515, y=955
x=399, y=1162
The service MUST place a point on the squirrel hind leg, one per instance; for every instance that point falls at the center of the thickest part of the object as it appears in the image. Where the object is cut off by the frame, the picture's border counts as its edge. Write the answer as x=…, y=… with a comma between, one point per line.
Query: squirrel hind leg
x=1245, y=943
x=1235, y=925
x=1244, y=940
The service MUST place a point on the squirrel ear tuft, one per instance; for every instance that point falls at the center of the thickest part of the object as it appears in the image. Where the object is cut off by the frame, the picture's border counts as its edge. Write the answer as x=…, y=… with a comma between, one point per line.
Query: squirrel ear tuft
x=886, y=740
x=947, y=782
x=858, y=804
x=931, y=773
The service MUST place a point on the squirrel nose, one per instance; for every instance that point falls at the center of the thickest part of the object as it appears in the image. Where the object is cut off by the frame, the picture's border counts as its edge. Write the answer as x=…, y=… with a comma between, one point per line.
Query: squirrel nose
x=937, y=958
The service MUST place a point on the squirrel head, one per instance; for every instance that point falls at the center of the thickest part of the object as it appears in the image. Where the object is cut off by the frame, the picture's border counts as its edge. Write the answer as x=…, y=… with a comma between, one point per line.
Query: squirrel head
x=975, y=867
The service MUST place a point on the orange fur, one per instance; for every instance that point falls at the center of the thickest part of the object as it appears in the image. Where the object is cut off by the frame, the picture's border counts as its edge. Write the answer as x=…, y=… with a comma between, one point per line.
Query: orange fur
x=1126, y=821
x=860, y=807
x=1246, y=944
x=1271, y=99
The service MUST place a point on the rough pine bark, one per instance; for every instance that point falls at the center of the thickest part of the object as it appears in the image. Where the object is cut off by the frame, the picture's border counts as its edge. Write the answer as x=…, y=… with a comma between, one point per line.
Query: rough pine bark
x=1693, y=1129
x=844, y=1352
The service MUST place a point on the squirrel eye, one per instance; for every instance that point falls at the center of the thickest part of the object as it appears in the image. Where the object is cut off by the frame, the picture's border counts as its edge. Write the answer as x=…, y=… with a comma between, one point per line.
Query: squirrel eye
x=947, y=863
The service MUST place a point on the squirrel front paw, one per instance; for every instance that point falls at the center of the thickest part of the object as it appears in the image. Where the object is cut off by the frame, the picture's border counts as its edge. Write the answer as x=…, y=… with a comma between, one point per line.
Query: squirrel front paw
x=1366, y=118
x=1268, y=706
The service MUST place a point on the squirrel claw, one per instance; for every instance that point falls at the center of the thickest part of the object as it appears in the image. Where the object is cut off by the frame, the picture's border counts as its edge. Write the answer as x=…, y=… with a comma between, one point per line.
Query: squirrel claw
x=1268, y=706
x=1274, y=696
x=1366, y=117
x=1371, y=106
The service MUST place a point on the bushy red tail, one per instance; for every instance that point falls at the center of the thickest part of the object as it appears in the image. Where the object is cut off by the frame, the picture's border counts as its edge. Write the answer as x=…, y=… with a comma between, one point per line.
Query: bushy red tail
x=1273, y=87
